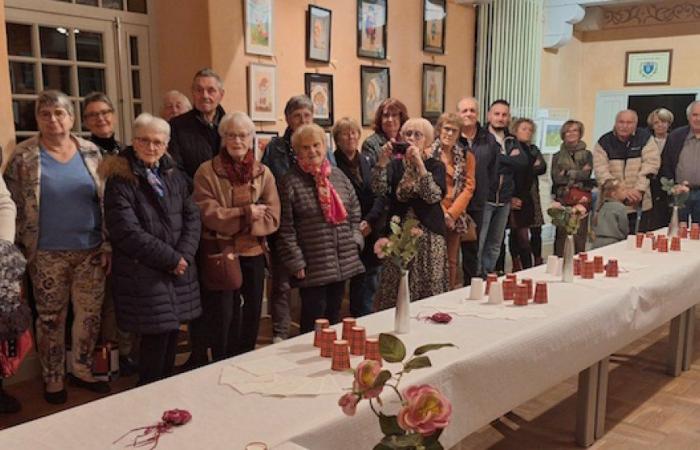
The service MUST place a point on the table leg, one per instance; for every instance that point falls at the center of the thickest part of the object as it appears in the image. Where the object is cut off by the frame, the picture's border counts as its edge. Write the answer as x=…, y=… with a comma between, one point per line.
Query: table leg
x=689, y=338
x=677, y=336
x=586, y=399
x=602, y=397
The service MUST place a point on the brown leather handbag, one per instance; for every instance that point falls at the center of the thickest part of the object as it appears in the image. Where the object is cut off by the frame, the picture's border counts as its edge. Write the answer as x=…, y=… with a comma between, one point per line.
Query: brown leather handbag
x=466, y=227
x=221, y=266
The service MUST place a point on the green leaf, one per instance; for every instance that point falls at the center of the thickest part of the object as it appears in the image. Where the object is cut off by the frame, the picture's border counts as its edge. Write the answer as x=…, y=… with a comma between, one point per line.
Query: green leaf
x=418, y=362
x=390, y=425
x=428, y=441
x=382, y=378
x=395, y=228
x=391, y=348
x=381, y=446
x=406, y=441
x=429, y=347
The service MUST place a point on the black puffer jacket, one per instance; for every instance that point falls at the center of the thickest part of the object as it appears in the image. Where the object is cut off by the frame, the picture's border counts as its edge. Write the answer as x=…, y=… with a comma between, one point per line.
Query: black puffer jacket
x=149, y=235
x=485, y=149
x=193, y=140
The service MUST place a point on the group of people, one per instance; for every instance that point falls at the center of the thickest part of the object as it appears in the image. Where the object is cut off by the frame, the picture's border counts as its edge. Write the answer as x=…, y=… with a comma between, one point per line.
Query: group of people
x=141, y=238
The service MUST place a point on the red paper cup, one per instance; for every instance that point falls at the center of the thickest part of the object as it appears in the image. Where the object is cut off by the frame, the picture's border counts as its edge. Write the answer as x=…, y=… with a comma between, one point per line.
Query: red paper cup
x=662, y=244
x=577, y=266
x=541, y=292
x=319, y=325
x=348, y=323
x=372, y=349
x=588, y=270
x=508, y=289
x=528, y=282
x=341, y=355
x=695, y=233
x=521, y=295
x=695, y=226
x=490, y=278
x=512, y=277
x=611, y=269
x=598, y=264
x=357, y=340
x=583, y=256
x=640, y=240
x=676, y=244
x=328, y=336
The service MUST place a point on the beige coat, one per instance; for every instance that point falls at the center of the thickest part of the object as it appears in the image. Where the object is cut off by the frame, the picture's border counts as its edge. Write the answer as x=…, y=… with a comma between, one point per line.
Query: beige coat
x=8, y=212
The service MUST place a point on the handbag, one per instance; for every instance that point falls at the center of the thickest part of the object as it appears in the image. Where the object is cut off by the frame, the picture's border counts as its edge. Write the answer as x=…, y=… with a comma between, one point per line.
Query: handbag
x=575, y=196
x=466, y=227
x=221, y=266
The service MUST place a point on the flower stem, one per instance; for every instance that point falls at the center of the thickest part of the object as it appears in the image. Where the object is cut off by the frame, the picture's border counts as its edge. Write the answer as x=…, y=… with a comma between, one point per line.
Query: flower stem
x=371, y=405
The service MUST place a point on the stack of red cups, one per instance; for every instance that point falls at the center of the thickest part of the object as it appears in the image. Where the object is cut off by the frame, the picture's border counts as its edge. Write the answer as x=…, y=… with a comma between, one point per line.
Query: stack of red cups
x=319, y=325
x=508, y=289
x=490, y=278
x=528, y=282
x=348, y=323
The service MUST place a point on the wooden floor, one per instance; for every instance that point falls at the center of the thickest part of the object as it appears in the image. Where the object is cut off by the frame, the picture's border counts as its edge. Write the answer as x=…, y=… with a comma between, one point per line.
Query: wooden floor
x=646, y=408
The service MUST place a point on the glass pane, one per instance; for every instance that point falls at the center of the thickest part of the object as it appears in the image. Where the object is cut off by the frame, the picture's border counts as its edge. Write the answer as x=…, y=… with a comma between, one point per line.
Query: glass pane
x=23, y=112
x=19, y=139
x=22, y=78
x=54, y=42
x=86, y=2
x=57, y=77
x=113, y=4
x=138, y=109
x=19, y=39
x=90, y=80
x=88, y=46
x=134, y=50
x=137, y=6
x=135, y=84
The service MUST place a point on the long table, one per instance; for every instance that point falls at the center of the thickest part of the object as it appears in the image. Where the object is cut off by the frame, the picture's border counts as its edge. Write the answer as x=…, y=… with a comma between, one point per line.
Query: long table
x=497, y=365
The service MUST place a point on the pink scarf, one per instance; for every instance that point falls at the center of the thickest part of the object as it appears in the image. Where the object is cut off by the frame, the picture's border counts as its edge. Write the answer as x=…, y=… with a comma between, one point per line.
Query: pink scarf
x=331, y=204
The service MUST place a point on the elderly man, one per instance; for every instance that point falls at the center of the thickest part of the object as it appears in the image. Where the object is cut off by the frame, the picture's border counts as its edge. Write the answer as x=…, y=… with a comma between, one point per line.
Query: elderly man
x=681, y=160
x=99, y=118
x=631, y=155
x=175, y=103
x=195, y=135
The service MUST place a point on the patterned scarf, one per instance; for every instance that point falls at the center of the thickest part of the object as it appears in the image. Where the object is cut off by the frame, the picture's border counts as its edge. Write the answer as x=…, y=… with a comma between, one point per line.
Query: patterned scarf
x=238, y=173
x=331, y=204
x=155, y=182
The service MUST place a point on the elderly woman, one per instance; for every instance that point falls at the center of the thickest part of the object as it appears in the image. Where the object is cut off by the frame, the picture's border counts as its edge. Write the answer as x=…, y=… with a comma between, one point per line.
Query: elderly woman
x=571, y=180
x=659, y=121
x=155, y=228
x=460, y=166
x=99, y=118
x=388, y=120
x=54, y=183
x=356, y=166
x=174, y=104
x=319, y=239
x=237, y=197
x=415, y=185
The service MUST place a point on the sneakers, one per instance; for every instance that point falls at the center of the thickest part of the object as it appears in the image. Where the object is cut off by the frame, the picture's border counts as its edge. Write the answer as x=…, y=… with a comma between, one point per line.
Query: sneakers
x=99, y=387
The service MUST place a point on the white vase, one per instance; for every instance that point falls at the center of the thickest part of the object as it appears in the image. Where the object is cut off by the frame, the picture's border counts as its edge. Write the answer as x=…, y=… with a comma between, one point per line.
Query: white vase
x=567, y=271
x=402, y=315
x=673, y=225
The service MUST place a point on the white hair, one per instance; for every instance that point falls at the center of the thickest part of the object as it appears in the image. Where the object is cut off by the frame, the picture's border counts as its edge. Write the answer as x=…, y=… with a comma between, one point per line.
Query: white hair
x=236, y=118
x=146, y=121
x=179, y=95
x=689, y=109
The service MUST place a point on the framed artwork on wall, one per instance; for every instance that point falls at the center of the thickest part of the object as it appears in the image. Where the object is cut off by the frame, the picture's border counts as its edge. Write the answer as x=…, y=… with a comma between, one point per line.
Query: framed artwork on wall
x=374, y=88
x=433, y=96
x=371, y=28
x=550, y=138
x=319, y=88
x=262, y=138
x=318, y=34
x=262, y=87
x=258, y=27
x=648, y=68
x=434, y=20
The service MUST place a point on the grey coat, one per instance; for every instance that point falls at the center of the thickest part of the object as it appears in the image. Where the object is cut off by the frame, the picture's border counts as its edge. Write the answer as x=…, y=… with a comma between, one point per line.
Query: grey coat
x=327, y=253
x=611, y=224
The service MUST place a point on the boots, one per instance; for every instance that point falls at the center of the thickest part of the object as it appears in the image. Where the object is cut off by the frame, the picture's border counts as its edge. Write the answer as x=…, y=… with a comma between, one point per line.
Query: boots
x=517, y=265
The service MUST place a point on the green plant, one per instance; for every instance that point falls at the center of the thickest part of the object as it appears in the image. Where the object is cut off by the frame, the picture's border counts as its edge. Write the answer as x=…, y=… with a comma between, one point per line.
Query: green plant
x=567, y=217
x=402, y=244
x=678, y=192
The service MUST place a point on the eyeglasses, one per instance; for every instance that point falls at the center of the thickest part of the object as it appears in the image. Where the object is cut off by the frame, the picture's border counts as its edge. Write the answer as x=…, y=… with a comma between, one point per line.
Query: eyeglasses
x=150, y=143
x=450, y=130
x=234, y=136
x=58, y=113
x=412, y=133
x=96, y=114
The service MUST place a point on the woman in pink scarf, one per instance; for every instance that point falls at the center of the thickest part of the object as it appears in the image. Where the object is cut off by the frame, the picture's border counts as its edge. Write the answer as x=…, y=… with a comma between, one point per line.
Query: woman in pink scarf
x=319, y=235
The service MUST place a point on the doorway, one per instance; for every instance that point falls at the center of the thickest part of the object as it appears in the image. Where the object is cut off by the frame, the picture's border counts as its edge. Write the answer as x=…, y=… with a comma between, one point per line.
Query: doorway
x=676, y=103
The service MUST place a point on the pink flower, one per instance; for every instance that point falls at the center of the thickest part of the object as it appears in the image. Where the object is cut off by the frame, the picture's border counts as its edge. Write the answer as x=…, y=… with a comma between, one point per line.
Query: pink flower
x=365, y=375
x=348, y=403
x=416, y=232
x=555, y=205
x=379, y=247
x=425, y=410
x=579, y=210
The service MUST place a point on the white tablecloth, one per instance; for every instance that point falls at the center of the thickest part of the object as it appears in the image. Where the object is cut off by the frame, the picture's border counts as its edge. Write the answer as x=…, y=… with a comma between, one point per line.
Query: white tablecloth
x=499, y=364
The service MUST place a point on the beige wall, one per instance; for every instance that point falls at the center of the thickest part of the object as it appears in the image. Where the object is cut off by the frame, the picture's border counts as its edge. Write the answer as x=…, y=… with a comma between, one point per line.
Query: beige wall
x=573, y=75
x=7, y=127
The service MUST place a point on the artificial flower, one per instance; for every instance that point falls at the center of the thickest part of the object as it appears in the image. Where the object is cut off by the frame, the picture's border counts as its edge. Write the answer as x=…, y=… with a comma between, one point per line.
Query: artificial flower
x=365, y=376
x=348, y=403
x=425, y=410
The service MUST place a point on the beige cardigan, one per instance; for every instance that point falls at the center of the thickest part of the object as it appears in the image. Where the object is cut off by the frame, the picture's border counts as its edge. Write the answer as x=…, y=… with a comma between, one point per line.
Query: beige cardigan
x=8, y=212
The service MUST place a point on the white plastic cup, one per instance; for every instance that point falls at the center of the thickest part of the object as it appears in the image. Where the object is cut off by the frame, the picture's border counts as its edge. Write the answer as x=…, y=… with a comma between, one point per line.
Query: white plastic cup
x=496, y=293
x=647, y=245
x=552, y=263
x=477, y=289
x=632, y=242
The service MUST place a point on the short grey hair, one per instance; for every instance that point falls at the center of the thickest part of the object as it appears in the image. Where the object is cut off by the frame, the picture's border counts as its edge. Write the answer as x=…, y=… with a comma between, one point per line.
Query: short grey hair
x=151, y=122
x=298, y=102
x=689, y=109
x=631, y=111
x=56, y=99
x=97, y=97
x=180, y=95
x=471, y=99
x=208, y=73
x=235, y=118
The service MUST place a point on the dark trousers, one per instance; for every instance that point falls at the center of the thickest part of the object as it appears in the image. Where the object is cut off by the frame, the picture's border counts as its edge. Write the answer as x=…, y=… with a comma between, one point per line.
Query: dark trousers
x=157, y=356
x=644, y=222
x=470, y=252
x=519, y=244
x=320, y=302
x=236, y=314
x=199, y=329
x=363, y=286
x=536, y=243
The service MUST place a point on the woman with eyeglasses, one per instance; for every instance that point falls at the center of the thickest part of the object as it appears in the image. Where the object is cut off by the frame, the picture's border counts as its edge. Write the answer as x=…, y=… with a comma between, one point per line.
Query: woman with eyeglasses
x=54, y=183
x=154, y=227
x=99, y=118
x=390, y=116
x=415, y=185
x=237, y=196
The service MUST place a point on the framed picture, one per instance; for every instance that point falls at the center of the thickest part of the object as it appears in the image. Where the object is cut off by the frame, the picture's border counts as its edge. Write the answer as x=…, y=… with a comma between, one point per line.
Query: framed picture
x=374, y=88
x=262, y=138
x=258, y=27
x=433, y=97
x=329, y=142
x=550, y=139
x=318, y=34
x=648, y=68
x=434, y=20
x=371, y=28
x=319, y=88
x=262, y=87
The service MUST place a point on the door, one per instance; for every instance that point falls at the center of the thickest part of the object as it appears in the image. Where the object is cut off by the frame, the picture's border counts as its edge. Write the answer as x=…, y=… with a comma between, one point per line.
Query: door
x=676, y=103
x=134, y=73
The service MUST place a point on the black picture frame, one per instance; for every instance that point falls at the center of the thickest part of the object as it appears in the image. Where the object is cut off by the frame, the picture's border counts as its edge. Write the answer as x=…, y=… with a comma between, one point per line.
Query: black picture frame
x=433, y=87
x=434, y=26
x=366, y=36
x=319, y=88
x=318, y=48
x=375, y=87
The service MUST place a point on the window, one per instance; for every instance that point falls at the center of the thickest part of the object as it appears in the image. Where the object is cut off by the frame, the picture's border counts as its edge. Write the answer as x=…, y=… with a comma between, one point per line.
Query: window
x=135, y=6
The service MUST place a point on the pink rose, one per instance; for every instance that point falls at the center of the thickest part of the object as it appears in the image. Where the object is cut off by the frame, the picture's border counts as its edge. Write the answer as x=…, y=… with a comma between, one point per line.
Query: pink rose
x=425, y=410
x=379, y=247
x=365, y=375
x=416, y=232
x=348, y=403
x=579, y=210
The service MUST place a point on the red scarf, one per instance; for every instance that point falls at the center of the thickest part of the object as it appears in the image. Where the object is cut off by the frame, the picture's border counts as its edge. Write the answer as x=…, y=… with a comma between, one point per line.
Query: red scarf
x=331, y=204
x=238, y=172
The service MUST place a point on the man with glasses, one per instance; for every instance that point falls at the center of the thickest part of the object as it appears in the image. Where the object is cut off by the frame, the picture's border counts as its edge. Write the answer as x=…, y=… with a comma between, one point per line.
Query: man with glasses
x=99, y=119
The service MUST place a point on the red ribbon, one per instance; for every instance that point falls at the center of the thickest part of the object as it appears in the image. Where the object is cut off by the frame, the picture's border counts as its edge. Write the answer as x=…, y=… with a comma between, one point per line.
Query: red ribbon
x=151, y=433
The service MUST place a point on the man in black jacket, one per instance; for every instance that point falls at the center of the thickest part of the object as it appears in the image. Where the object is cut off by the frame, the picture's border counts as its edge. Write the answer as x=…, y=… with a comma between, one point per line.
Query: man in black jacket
x=681, y=160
